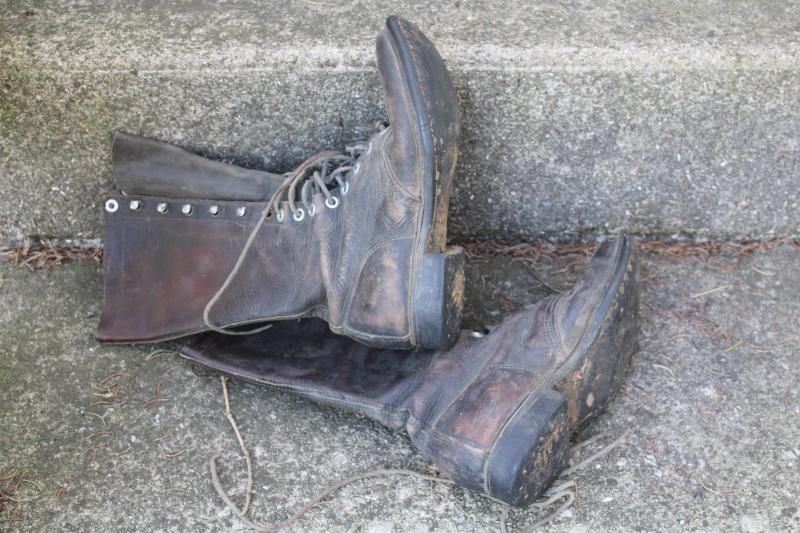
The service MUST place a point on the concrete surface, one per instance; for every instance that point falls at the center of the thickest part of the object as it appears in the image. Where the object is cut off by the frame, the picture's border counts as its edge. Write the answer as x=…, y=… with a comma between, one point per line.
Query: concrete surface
x=659, y=118
x=712, y=402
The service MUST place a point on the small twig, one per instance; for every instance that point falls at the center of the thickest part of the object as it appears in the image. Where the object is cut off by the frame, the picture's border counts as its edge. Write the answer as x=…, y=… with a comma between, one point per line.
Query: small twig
x=733, y=346
x=154, y=401
x=767, y=273
x=668, y=369
x=166, y=435
x=710, y=291
x=155, y=354
x=176, y=454
x=245, y=451
x=729, y=493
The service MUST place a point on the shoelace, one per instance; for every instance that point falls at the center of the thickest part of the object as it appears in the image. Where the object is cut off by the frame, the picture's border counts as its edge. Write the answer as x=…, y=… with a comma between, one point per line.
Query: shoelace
x=328, y=166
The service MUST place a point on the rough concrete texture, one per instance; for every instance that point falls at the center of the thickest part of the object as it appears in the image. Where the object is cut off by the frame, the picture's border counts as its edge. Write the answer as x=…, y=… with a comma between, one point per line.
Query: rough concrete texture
x=712, y=403
x=673, y=117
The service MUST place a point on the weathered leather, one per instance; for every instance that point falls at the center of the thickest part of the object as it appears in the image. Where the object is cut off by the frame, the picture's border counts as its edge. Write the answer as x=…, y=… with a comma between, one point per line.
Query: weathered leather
x=362, y=266
x=147, y=167
x=493, y=413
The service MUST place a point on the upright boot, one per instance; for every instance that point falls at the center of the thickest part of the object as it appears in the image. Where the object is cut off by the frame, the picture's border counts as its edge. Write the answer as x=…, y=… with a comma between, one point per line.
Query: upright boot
x=355, y=239
x=494, y=412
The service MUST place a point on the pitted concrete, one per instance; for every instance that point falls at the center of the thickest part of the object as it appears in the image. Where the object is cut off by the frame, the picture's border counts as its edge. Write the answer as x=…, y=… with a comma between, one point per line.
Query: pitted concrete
x=657, y=119
x=711, y=402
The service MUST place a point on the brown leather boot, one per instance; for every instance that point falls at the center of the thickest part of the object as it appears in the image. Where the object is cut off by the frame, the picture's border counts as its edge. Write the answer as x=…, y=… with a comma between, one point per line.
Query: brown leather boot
x=494, y=412
x=355, y=239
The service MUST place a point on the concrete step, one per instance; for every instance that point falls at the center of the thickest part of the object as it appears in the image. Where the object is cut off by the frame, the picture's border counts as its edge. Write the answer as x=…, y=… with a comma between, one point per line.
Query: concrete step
x=656, y=119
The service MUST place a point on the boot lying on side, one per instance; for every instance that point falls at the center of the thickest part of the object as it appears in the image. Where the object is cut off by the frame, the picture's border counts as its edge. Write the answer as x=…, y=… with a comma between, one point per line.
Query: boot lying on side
x=356, y=239
x=494, y=412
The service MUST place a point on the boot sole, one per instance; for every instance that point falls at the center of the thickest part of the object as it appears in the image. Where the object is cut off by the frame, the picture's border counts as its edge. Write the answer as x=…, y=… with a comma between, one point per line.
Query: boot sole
x=534, y=446
x=438, y=283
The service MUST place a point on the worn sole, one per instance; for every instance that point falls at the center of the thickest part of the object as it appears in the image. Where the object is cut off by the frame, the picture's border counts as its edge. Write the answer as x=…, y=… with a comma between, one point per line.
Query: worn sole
x=534, y=446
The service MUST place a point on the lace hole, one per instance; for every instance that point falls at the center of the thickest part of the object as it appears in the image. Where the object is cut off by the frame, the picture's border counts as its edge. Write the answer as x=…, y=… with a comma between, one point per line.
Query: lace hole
x=299, y=214
x=332, y=204
x=279, y=215
x=112, y=205
x=312, y=209
x=345, y=187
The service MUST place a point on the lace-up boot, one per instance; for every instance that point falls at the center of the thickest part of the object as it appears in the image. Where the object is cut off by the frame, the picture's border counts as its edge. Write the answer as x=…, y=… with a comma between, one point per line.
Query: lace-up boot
x=495, y=412
x=356, y=239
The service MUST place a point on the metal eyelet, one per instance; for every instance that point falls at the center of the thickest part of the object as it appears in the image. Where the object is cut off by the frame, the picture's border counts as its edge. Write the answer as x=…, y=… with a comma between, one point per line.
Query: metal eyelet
x=241, y=211
x=357, y=167
x=186, y=209
x=476, y=334
x=332, y=205
x=369, y=147
x=135, y=205
x=280, y=215
x=213, y=210
x=302, y=214
x=384, y=130
x=312, y=209
x=111, y=205
x=344, y=188
x=162, y=208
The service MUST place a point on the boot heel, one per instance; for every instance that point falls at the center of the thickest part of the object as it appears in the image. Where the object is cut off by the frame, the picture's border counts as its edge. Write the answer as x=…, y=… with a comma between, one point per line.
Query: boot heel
x=438, y=298
x=530, y=451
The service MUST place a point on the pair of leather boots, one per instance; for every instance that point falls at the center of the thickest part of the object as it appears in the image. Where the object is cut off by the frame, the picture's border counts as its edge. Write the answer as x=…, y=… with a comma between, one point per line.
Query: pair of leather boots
x=345, y=259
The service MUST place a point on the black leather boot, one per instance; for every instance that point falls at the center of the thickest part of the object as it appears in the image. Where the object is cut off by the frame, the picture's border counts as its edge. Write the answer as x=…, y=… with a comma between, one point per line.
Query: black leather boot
x=494, y=412
x=355, y=239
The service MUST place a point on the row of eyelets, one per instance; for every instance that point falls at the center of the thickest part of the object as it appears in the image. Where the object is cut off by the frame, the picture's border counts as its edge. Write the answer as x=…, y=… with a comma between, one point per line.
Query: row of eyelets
x=112, y=206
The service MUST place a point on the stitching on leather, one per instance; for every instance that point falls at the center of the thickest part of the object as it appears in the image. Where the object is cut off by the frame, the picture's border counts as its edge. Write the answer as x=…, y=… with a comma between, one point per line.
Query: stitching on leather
x=393, y=175
x=444, y=436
